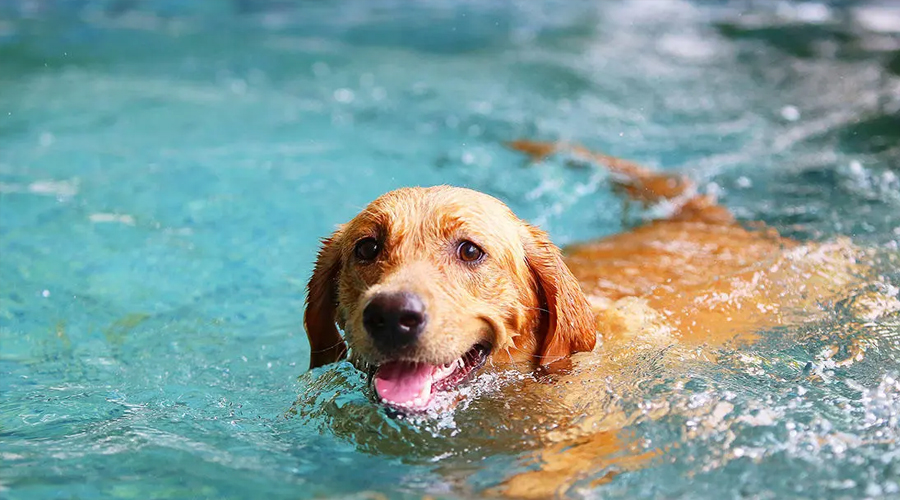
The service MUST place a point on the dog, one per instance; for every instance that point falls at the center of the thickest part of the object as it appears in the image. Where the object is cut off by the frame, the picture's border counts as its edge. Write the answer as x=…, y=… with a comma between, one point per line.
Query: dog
x=430, y=283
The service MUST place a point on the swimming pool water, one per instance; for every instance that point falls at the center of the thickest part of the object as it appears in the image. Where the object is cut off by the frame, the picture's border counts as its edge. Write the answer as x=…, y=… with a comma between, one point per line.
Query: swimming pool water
x=167, y=168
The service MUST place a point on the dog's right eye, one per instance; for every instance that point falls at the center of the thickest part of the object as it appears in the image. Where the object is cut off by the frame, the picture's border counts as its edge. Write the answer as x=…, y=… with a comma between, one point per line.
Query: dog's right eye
x=367, y=249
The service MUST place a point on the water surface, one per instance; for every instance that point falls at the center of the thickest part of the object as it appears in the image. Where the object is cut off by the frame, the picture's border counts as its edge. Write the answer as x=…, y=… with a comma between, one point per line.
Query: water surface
x=167, y=168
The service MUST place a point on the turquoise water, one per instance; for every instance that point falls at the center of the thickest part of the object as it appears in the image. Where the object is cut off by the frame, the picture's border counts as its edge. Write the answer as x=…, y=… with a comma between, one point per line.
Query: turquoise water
x=167, y=168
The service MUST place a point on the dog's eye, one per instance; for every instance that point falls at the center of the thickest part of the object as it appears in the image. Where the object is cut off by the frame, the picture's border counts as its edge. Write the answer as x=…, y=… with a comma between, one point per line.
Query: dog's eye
x=469, y=252
x=367, y=249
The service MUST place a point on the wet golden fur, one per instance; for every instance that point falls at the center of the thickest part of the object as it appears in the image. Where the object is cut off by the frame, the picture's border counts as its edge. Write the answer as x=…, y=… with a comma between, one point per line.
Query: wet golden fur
x=699, y=275
x=697, y=280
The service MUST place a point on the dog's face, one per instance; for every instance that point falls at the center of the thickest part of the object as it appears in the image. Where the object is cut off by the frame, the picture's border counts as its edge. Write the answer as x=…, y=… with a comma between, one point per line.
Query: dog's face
x=427, y=283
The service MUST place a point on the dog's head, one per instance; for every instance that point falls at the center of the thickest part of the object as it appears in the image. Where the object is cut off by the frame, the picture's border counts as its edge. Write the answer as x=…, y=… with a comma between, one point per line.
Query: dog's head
x=427, y=283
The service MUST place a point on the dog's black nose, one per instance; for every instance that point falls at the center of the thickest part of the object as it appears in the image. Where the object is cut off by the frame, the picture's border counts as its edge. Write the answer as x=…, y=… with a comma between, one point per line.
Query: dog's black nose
x=394, y=320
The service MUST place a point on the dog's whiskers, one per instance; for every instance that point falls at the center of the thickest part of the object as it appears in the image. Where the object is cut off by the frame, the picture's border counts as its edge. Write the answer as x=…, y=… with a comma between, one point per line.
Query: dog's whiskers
x=325, y=349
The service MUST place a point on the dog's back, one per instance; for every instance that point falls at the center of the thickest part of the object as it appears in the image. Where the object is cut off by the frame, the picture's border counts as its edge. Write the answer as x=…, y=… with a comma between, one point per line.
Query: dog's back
x=698, y=273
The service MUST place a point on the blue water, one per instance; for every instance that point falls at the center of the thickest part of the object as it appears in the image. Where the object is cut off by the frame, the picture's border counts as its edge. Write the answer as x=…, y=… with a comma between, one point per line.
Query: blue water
x=167, y=168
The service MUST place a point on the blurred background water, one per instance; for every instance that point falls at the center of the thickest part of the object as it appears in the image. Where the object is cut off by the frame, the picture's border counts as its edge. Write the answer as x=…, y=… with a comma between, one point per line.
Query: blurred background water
x=167, y=168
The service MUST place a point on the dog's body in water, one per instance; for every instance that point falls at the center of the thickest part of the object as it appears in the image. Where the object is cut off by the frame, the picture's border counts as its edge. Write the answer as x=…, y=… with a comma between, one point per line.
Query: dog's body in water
x=430, y=284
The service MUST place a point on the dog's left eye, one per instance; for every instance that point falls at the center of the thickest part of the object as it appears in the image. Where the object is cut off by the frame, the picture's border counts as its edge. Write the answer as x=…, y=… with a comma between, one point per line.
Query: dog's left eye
x=469, y=252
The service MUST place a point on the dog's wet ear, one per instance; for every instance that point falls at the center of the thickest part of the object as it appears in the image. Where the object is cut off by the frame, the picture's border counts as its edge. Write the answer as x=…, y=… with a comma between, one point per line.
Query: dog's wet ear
x=570, y=325
x=325, y=342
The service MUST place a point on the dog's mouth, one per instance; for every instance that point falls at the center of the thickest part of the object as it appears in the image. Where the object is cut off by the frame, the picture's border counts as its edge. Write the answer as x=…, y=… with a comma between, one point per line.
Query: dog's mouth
x=411, y=385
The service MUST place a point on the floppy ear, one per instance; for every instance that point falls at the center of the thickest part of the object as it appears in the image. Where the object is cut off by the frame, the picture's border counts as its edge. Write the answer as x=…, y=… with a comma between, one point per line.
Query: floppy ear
x=570, y=323
x=325, y=343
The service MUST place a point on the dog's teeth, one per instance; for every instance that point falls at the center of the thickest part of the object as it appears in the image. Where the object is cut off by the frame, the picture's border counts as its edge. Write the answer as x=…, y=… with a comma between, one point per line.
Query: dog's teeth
x=415, y=404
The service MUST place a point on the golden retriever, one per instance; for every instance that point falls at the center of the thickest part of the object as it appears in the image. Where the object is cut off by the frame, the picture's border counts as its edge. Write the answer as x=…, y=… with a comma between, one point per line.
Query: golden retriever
x=428, y=284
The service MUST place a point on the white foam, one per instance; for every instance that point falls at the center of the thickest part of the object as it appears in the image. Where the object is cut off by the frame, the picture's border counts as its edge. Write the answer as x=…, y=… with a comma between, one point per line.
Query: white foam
x=790, y=113
x=805, y=12
x=880, y=19
x=63, y=189
x=687, y=46
x=100, y=218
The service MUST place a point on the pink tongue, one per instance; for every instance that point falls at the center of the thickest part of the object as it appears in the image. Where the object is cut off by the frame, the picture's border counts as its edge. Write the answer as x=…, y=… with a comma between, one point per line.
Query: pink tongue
x=404, y=381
